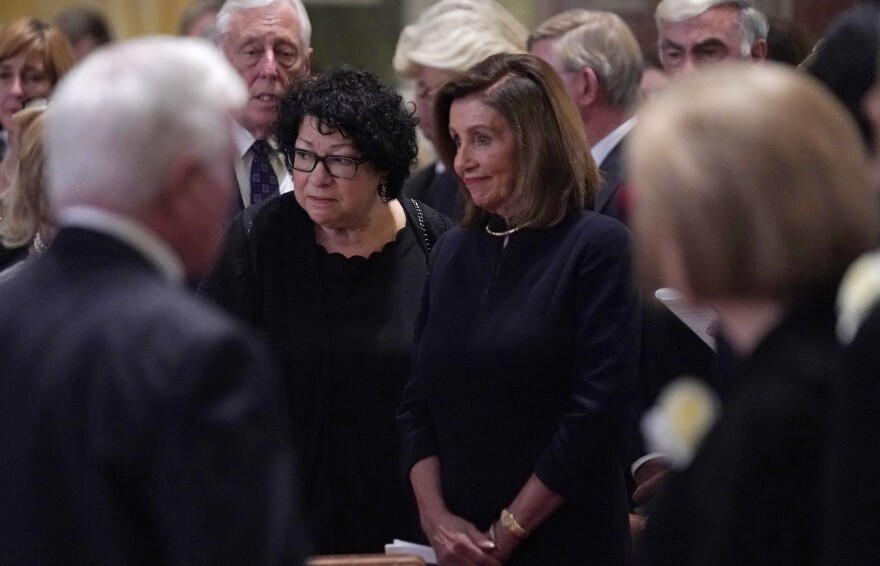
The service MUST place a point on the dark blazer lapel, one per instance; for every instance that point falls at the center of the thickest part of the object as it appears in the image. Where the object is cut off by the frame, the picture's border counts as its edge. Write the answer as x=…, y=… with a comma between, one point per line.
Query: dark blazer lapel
x=612, y=176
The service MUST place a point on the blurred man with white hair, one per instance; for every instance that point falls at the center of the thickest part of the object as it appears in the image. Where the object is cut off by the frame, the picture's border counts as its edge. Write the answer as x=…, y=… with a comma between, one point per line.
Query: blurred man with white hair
x=600, y=62
x=138, y=425
x=693, y=33
x=267, y=41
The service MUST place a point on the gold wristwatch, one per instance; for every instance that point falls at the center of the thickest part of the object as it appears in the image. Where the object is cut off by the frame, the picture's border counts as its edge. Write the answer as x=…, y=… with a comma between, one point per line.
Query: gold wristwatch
x=508, y=521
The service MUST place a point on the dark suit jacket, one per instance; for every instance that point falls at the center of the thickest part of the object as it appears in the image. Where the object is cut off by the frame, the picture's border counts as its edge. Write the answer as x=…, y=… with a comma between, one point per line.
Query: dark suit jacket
x=138, y=425
x=608, y=199
x=440, y=192
x=855, y=492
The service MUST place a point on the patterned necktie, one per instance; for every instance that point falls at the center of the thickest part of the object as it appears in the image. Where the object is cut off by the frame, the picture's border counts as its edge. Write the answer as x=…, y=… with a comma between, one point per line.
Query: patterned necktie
x=264, y=183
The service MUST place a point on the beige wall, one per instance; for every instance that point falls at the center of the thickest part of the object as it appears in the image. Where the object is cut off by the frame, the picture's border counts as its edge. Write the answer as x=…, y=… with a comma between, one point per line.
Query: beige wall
x=129, y=18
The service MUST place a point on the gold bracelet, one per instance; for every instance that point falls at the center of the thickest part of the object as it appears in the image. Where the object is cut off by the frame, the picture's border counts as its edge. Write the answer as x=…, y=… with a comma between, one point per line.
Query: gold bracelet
x=509, y=522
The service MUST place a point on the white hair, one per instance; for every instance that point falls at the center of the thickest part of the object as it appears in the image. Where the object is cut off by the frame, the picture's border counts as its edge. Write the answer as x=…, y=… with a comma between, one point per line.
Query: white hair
x=118, y=120
x=232, y=7
x=753, y=23
x=453, y=35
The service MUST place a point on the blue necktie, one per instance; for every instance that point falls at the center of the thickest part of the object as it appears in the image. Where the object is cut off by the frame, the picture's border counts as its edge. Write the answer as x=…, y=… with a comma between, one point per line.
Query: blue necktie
x=264, y=183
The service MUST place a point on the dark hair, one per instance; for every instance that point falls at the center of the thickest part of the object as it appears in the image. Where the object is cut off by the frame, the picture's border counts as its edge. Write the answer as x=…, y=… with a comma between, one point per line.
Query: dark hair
x=846, y=60
x=787, y=42
x=362, y=108
x=78, y=22
x=555, y=173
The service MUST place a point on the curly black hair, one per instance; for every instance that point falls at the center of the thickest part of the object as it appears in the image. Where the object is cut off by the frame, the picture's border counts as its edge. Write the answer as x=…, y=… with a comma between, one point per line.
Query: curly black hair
x=363, y=109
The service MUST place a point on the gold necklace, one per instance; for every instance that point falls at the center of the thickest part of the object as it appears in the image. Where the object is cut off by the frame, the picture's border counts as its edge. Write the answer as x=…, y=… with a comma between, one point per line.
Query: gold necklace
x=505, y=233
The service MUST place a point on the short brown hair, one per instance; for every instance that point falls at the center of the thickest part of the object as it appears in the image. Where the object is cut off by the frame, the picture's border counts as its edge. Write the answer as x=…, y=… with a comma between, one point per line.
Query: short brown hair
x=38, y=39
x=758, y=178
x=556, y=174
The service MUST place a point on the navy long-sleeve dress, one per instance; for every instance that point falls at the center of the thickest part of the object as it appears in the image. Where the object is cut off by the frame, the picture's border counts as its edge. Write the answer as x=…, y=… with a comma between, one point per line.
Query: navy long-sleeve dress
x=524, y=361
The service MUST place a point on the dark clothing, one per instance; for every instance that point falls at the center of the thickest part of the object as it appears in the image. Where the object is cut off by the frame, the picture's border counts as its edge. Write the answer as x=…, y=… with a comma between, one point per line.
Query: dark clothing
x=669, y=349
x=138, y=425
x=855, y=493
x=611, y=199
x=438, y=190
x=754, y=493
x=343, y=331
x=524, y=361
x=8, y=256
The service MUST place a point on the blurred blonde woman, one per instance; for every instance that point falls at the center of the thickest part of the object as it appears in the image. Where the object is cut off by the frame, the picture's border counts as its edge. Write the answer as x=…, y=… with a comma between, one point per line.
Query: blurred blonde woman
x=753, y=195
x=447, y=39
x=25, y=220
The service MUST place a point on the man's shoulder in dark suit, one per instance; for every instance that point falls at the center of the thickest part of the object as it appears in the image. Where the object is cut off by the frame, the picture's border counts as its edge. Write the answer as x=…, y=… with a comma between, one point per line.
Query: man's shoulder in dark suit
x=139, y=424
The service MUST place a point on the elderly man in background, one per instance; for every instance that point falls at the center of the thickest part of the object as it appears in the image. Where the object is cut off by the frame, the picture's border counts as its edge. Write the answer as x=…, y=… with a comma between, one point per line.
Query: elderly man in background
x=267, y=41
x=138, y=425
x=692, y=33
x=447, y=39
x=600, y=62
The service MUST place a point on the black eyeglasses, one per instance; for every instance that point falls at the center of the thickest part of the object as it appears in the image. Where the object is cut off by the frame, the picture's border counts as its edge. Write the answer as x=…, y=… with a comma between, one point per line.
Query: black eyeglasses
x=336, y=165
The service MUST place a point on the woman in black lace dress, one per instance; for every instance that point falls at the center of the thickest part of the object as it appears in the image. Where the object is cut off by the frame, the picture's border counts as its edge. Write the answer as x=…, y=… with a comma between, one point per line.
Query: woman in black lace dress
x=332, y=274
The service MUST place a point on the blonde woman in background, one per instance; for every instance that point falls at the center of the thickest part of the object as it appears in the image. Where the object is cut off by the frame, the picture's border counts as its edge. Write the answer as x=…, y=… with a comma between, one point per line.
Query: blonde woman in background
x=754, y=209
x=447, y=39
x=25, y=222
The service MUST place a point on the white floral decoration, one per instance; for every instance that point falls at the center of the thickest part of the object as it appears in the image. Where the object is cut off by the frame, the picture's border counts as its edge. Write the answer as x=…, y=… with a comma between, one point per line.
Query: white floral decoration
x=859, y=293
x=685, y=411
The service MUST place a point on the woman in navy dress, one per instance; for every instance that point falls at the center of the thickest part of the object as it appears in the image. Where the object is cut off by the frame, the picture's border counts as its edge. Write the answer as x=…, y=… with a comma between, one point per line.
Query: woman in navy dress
x=526, y=345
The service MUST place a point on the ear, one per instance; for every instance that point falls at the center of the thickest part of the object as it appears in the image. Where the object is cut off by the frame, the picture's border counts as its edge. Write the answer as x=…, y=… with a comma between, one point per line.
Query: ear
x=307, y=61
x=759, y=49
x=589, y=88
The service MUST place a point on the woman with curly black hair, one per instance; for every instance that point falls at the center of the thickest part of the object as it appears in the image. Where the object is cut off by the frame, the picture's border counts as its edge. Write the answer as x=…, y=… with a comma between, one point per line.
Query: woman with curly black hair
x=332, y=274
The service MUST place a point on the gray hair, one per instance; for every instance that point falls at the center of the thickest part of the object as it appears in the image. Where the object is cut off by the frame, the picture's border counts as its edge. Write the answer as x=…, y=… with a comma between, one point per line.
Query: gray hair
x=601, y=41
x=753, y=23
x=232, y=7
x=119, y=119
x=453, y=35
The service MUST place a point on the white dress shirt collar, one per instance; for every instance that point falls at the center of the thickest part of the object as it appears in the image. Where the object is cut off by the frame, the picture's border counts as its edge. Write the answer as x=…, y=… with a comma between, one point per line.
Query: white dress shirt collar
x=603, y=147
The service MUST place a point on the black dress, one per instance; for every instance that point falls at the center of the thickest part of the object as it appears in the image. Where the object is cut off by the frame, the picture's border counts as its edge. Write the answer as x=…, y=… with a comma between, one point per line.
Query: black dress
x=524, y=360
x=342, y=329
x=755, y=493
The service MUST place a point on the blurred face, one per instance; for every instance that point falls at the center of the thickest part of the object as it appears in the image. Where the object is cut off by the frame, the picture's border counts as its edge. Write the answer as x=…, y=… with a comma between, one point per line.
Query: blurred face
x=486, y=154
x=266, y=48
x=21, y=79
x=713, y=36
x=429, y=82
x=332, y=202
x=202, y=26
